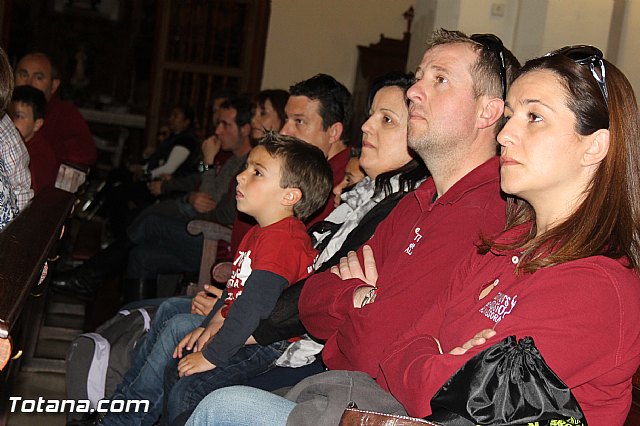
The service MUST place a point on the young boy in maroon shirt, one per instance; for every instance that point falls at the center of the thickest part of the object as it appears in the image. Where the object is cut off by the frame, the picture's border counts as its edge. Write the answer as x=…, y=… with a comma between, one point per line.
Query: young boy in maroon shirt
x=27, y=109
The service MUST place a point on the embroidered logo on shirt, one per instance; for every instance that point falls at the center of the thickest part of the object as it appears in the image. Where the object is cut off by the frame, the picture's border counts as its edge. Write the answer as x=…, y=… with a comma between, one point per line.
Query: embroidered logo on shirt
x=499, y=307
x=412, y=245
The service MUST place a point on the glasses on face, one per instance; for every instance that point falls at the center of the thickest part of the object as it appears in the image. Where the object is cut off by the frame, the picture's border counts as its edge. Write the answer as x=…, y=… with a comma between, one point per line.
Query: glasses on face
x=494, y=44
x=591, y=57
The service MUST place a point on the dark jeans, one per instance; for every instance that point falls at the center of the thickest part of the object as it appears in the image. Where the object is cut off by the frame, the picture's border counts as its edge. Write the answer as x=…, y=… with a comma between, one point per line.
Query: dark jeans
x=285, y=377
x=184, y=394
x=163, y=246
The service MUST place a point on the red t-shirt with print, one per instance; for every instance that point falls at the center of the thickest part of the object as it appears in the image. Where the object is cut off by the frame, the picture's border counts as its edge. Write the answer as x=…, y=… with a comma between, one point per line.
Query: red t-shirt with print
x=283, y=248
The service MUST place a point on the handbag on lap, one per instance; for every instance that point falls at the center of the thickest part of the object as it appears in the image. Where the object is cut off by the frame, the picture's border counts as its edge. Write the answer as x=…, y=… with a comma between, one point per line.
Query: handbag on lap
x=508, y=383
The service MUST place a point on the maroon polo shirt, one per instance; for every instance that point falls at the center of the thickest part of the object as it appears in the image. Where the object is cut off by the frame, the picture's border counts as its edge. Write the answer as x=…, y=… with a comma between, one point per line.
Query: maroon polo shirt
x=416, y=249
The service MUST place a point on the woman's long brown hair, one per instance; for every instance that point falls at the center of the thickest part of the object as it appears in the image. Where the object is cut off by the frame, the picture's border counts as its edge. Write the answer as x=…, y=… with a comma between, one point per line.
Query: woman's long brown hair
x=607, y=220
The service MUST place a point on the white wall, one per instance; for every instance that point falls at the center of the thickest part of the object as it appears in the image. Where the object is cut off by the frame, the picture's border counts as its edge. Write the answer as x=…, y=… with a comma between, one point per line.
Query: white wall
x=577, y=22
x=628, y=57
x=533, y=27
x=311, y=36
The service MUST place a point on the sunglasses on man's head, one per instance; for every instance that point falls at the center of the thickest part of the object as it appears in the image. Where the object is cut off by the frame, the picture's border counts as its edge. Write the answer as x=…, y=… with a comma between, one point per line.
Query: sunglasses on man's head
x=493, y=43
x=591, y=57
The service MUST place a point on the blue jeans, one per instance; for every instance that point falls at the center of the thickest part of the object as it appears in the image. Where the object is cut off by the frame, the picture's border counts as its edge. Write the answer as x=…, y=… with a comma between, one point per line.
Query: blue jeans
x=144, y=378
x=241, y=406
x=184, y=394
x=167, y=310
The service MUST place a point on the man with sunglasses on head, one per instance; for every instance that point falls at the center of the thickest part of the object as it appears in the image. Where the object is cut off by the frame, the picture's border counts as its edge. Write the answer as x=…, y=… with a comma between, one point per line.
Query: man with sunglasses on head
x=362, y=306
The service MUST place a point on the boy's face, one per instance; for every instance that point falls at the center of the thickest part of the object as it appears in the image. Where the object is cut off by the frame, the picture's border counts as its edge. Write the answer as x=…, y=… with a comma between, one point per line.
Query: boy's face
x=259, y=193
x=22, y=116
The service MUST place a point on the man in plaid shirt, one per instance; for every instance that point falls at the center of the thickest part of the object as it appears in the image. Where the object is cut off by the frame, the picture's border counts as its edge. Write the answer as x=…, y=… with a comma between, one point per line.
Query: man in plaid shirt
x=14, y=160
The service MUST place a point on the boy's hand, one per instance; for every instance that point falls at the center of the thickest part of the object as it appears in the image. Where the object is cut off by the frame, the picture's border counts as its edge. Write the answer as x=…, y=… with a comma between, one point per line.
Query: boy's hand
x=212, y=329
x=187, y=342
x=194, y=363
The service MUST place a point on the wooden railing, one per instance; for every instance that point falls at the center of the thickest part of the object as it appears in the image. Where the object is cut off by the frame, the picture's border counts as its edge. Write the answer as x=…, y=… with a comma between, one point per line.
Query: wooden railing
x=25, y=245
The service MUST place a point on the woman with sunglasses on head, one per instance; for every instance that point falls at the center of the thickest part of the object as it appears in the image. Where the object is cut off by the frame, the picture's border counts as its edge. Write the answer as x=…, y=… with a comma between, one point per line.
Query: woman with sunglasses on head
x=564, y=271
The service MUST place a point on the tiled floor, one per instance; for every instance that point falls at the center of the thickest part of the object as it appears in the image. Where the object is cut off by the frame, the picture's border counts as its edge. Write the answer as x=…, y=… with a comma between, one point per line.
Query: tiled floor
x=35, y=385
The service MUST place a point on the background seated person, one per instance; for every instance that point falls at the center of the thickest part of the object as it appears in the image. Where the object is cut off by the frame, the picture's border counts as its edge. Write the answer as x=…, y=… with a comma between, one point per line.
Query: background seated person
x=126, y=192
x=176, y=155
x=9, y=207
x=157, y=229
x=213, y=158
x=64, y=127
x=353, y=174
x=319, y=112
x=27, y=112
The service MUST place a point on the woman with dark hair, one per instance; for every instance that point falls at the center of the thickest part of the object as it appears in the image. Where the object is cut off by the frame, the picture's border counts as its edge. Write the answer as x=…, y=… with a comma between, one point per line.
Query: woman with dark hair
x=565, y=270
x=269, y=112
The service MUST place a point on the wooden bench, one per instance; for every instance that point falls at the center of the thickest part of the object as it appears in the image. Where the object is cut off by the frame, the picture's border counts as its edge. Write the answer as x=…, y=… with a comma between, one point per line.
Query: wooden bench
x=213, y=233
x=25, y=244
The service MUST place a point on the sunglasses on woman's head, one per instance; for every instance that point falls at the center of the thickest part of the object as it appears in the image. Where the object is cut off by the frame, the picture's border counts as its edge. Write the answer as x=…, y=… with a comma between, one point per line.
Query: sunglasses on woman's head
x=591, y=57
x=493, y=43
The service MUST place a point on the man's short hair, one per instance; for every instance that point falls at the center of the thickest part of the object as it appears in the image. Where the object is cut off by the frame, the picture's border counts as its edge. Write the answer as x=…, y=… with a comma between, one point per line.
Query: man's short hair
x=242, y=106
x=486, y=70
x=221, y=94
x=334, y=98
x=33, y=97
x=6, y=81
x=302, y=166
